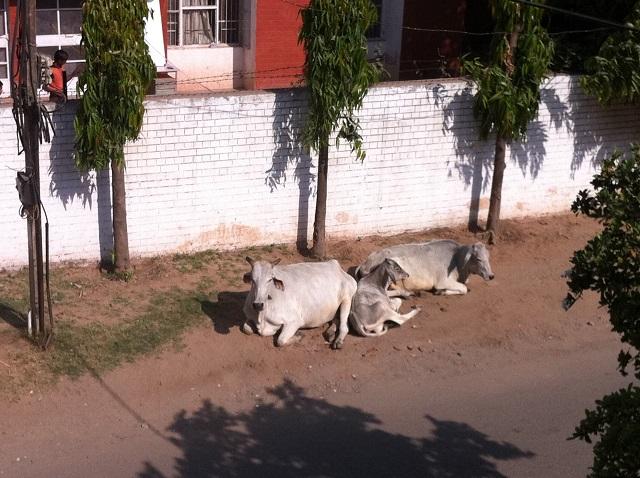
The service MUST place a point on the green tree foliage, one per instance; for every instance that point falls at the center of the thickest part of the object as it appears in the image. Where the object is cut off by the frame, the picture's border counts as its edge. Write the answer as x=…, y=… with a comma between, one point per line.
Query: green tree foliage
x=508, y=86
x=584, y=37
x=336, y=69
x=338, y=77
x=610, y=265
x=118, y=72
x=614, y=73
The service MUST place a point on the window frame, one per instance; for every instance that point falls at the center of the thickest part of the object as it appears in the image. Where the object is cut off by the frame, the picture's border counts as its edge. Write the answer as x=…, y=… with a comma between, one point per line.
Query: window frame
x=179, y=32
x=4, y=45
x=379, y=4
x=60, y=40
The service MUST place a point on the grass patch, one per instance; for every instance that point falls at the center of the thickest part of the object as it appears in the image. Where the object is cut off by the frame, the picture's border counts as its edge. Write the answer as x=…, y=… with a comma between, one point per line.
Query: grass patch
x=97, y=348
x=194, y=262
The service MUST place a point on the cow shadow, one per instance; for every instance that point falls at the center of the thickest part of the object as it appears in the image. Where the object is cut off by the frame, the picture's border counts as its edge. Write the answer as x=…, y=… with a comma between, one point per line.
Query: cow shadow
x=291, y=434
x=226, y=313
x=288, y=123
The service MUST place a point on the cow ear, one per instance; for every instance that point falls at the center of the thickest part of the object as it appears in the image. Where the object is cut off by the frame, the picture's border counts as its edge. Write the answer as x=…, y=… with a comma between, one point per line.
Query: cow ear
x=278, y=283
x=467, y=256
x=275, y=262
x=246, y=278
x=250, y=261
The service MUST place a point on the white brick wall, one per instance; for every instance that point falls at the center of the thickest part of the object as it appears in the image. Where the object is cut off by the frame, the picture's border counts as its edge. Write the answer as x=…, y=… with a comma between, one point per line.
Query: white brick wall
x=221, y=171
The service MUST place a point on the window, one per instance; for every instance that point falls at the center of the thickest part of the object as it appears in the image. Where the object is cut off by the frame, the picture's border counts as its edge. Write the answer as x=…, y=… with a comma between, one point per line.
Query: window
x=58, y=26
x=203, y=22
x=375, y=30
x=4, y=50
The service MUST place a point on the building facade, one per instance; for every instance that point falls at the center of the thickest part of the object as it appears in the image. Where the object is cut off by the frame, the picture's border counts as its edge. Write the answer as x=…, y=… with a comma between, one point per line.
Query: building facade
x=210, y=45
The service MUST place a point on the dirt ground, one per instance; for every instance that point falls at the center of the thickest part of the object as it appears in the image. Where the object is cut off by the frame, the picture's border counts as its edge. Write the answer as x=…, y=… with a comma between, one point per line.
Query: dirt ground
x=521, y=306
x=513, y=319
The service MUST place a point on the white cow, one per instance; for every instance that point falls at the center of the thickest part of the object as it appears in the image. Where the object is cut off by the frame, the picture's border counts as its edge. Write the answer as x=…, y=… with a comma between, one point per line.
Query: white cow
x=292, y=297
x=442, y=265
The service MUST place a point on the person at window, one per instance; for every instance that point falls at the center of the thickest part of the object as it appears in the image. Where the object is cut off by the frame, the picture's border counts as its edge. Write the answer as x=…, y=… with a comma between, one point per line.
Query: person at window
x=58, y=87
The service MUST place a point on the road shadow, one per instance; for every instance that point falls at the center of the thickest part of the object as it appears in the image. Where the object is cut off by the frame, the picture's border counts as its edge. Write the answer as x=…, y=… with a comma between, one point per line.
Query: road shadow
x=287, y=125
x=292, y=435
x=12, y=317
x=226, y=313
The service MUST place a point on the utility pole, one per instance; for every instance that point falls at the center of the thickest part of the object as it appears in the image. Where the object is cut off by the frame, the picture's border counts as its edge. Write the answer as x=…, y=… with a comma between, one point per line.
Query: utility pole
x=27, y=98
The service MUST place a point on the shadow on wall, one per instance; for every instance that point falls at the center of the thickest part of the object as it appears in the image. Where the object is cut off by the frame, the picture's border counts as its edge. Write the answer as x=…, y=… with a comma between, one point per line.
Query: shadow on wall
x=475, y=156
x=474, y=161
x=288, y=123
x=68, y=184
x=593, y=127
x=298, y=436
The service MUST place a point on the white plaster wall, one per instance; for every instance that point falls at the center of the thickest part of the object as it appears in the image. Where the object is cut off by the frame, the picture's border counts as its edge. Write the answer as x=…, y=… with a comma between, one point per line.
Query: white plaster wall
x=207, y=68
x=223, y=170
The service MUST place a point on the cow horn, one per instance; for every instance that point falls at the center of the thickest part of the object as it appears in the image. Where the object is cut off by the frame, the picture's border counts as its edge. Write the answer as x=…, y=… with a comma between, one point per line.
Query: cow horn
x=250, y=261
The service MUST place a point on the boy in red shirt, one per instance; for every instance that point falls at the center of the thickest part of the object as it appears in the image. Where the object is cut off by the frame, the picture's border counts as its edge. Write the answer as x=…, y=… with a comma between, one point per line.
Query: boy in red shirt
x=58, y=87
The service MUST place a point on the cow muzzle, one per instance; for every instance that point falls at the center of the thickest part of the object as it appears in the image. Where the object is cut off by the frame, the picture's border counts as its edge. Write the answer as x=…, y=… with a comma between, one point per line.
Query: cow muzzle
x=258, y=306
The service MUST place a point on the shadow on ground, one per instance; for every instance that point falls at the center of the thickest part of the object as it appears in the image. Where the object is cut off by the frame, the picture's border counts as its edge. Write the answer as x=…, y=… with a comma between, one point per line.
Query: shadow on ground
x=226, y=312
x=12, y=317
x=300, y=436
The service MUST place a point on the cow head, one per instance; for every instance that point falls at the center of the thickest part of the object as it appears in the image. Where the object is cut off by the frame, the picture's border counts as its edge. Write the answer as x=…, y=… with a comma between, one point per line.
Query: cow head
x=477, y=261
x=261, y=277
x=394, y=271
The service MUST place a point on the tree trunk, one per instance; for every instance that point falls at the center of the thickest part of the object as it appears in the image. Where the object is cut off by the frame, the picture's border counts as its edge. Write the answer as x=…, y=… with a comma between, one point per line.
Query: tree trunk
x=499, y=166
x=319, y=250
x=499, y=163
x=120, y=235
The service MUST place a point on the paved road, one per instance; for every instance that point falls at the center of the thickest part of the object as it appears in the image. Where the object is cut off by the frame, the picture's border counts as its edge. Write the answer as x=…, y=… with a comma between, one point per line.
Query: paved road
x=501, y=419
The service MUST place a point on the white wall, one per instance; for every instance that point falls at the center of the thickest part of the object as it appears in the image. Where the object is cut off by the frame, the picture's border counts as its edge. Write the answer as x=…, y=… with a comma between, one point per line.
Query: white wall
x=221, y=171
x=207, y=68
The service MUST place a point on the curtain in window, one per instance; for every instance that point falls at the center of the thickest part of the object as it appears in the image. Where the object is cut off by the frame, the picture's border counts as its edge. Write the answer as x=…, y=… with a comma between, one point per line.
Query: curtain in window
x=199, y=25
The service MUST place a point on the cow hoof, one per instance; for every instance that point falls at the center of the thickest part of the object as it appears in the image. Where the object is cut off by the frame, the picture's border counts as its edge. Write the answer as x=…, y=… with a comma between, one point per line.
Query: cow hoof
x=337, y=344
x=247, y=329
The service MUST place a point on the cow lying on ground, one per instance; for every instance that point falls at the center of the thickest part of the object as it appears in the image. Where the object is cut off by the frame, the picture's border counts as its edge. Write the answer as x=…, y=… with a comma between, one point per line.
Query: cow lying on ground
x=442, y=265
x=292, y=297
x=372, y=306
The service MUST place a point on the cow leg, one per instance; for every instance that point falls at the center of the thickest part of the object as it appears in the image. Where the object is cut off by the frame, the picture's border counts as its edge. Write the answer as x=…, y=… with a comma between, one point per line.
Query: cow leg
x=400, y=319
x=288, y=335
x=330, y=333
x=248, y=328
x=405, y=294
x=345, y=310
x=451, y=287
x=395, y=304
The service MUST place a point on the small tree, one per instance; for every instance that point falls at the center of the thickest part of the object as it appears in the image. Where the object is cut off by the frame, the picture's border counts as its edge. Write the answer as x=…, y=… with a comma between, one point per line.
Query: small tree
x=118, y=72
x=509, y=86
x=610, y=265
x=614, y=74
x=338, y=76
